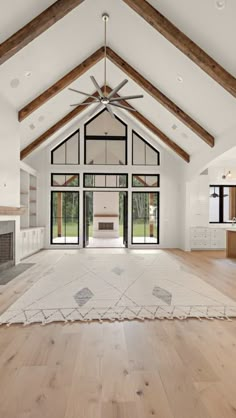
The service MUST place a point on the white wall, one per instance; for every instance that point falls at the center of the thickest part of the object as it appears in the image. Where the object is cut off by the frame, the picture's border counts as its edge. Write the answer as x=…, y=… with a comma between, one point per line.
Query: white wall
x=9, y=156
x=171, y=180
x=106, y=203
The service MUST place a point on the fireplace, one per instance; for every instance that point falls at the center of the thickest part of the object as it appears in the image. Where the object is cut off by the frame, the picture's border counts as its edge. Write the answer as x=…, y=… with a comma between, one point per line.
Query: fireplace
x=105, y=226
x=7, y=253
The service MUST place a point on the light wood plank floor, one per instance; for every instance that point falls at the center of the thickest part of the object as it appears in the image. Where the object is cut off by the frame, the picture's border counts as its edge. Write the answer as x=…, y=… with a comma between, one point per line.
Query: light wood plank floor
x=164, y=369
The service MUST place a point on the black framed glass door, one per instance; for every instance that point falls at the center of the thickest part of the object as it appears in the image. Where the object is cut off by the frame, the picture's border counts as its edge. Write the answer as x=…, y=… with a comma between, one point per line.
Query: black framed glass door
x=64, y=217
x=145, y=218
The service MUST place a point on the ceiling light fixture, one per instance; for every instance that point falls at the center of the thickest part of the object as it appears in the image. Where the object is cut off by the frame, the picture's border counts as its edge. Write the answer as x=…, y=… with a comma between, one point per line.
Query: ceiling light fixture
x=28, y=74
x=106, y=100
x=214, y=194
x=180, y=79
x=228, y=174
x=220, y=4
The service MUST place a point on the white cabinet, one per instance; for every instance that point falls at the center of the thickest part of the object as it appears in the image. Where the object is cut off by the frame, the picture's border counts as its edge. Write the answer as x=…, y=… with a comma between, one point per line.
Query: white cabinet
x=32, y=240
x=207, y=238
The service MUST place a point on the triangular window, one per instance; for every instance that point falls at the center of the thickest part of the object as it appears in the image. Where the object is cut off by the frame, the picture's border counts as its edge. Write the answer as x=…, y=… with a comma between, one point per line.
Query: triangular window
x=143, y=152
x=67, y=152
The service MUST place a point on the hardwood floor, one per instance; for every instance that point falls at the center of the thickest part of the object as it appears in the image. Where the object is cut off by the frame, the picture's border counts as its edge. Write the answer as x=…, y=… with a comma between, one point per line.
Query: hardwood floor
x=164, y=369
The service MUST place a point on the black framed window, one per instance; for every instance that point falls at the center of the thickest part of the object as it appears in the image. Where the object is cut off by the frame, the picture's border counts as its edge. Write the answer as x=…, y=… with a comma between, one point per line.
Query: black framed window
x=67, y=152
x=142, y=152
x=65, y=180
x=64, y=217
x=105, y=140
x=105, y=180
x=222, y=203
x=145, y=180
x=145, y=217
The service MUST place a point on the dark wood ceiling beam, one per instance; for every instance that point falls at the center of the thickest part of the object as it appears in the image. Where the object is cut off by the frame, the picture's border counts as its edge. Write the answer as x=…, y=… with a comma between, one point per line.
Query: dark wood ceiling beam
x=154, y=129
x=160, y=97
x=133, y=74
x=61, y=84
x=35, y=27
x=184, y=44
x=70, y=116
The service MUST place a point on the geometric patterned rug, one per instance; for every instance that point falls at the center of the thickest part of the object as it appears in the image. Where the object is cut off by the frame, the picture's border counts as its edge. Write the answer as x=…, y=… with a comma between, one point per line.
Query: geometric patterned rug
x=85, y=286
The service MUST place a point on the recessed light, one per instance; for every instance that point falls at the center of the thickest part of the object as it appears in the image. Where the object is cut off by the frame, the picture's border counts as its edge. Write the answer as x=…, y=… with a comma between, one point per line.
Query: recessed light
x=180, y=79
x=220, y=4
x=41, y=118
x=15, y=83
x=174, y=126
x=32, y=126
x=28, y=74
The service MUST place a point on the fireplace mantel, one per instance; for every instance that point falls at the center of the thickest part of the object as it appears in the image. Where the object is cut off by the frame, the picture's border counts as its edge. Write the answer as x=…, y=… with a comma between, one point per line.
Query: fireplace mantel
x=11, y=210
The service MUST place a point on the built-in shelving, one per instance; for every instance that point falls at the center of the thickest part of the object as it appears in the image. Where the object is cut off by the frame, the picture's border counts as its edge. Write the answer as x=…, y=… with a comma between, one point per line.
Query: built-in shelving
x=28, y=196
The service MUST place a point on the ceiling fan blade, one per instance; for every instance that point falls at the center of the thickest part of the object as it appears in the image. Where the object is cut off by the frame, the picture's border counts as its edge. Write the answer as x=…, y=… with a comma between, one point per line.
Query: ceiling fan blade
x=123, y=107
x=96, y=109
x=117, y=99
x=117, y=88
x=97, y=86
x=85, y=103
x=110, y=111
x=81, y=92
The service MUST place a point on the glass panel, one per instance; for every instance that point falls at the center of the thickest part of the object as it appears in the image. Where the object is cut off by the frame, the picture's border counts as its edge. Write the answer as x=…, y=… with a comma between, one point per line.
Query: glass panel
x=89, y=180
x=65, y=180
x=139, y=180
x=111, y=181
x=72, y=230
x=232, y=202
x=138, y=151
x=151, y=156
x=152, y=181
x=95, y=151
x=72, y=180
x=226, y=203
x=214, y=204
x=65, y=217
x=59, y=155
x=116, y=152
x=145, y=218
x=103, y=124
x=151, y=220
x=123, y=180
x=100, y=180
x=58, y=180
x=72, y=150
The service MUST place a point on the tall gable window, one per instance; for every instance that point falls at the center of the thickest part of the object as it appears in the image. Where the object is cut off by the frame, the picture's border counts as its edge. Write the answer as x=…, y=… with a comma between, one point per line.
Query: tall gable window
x=67, y=152
x=105, y=141
x=143, y=153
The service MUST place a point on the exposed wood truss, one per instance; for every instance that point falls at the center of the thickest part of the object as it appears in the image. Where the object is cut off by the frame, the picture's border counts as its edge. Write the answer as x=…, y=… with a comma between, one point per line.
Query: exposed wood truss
x=61, y=84
x=154, y=129
x=133, y=74
x=35, y=27
x=160, y=97
x=41, y=139
x=184, y=44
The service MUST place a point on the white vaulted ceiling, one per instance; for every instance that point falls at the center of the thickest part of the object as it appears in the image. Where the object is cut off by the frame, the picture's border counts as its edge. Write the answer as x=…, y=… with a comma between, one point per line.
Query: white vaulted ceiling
x=75, y=37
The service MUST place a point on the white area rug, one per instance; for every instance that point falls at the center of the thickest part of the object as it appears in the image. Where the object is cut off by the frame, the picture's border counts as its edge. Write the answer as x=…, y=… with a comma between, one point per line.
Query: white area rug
x=100, y=285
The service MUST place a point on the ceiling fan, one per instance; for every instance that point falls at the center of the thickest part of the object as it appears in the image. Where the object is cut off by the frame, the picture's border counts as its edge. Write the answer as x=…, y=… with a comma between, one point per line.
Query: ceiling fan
x=214, y=194
x=104, y=99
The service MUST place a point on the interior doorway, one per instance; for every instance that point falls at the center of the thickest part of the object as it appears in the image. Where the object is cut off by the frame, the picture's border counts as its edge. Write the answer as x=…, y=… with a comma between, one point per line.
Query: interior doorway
x=105, y=219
